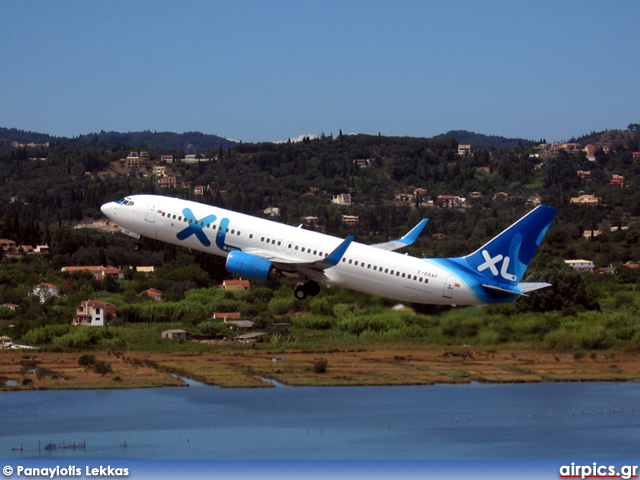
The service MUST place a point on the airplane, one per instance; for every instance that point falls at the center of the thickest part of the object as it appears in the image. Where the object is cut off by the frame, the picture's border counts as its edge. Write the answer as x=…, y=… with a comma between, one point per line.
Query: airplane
x=265, y=250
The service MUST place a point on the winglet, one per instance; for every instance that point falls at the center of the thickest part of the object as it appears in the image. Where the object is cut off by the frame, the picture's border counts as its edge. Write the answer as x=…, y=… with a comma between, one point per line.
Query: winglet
x=404, y=241
x=414, y=233
x=334, y=257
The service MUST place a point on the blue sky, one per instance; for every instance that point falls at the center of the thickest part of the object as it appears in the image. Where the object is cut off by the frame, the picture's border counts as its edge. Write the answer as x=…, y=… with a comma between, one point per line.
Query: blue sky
x=270, y=70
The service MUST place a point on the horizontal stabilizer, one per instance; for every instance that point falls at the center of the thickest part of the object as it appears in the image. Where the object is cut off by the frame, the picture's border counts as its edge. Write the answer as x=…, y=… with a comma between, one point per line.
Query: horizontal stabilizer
x=530, y=287
x=405, y=240
x=502, y=291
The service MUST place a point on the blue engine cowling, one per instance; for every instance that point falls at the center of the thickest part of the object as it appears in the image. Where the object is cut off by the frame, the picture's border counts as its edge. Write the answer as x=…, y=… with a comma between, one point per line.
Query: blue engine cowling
x=248, y=265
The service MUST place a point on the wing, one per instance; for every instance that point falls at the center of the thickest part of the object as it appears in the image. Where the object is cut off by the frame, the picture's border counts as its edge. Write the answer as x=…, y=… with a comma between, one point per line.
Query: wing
x=406, y=240
x=310, y=269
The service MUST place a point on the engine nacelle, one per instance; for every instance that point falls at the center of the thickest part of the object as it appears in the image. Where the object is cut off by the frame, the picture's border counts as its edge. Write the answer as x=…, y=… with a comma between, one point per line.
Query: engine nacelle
x=248, y=265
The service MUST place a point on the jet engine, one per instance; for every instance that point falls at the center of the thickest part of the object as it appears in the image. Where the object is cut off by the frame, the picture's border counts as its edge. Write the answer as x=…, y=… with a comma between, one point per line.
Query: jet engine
x=248, y=265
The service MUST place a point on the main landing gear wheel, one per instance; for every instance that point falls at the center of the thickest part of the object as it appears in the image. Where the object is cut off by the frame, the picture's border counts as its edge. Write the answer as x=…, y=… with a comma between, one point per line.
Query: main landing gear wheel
x=136, y=247
x=309, y=288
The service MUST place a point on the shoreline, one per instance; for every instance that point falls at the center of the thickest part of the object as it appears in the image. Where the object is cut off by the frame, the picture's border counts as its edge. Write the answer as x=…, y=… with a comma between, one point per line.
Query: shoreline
x=385, y=365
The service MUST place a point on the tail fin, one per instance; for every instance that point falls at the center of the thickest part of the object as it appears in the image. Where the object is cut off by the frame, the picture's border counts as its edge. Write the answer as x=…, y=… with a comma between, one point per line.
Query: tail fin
x=504, y=259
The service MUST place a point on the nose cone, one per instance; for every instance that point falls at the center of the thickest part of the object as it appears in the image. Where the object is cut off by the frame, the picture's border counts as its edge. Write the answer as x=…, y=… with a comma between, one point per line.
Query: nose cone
x=109, y=209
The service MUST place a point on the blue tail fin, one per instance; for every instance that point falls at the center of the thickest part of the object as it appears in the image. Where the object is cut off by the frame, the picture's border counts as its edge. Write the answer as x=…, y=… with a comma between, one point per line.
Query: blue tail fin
x=504, y=259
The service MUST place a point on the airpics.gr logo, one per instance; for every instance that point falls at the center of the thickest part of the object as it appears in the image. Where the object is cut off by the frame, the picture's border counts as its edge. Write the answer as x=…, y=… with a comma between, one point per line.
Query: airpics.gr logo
x=492, y=262
x=196, y=227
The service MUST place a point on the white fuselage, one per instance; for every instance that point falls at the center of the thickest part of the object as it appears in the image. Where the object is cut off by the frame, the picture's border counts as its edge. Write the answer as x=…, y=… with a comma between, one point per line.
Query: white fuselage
x=215, y=230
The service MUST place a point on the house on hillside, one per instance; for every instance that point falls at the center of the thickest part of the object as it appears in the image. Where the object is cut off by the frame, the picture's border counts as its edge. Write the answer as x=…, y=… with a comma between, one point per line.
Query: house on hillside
x=45, y=291
x=8, y=247
x=464, y=150
x=175, y=335
x=226, y=316
x=233, y=285
x=167, y=182
x=152, y=293
x=404, y=198
x=617, y=180
x=240, y=324
x=94, y=314
x=362, y=162
x=272, y=211
x=150, y=270
x=249, y=338
x=581, y=265
x=98, y=272
x=350, y=219
x=159, y=170
x=584, y=174
x=342, y=199
x=585, y=200
x=450, y=201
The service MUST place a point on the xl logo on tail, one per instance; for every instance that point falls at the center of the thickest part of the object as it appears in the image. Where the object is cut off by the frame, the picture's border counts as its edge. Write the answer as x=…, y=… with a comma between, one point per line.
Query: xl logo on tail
x=492, y=262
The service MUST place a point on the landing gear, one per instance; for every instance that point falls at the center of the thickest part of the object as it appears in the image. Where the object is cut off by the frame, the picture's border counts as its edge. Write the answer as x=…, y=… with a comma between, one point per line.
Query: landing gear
x=309, y=288
x=136, y=247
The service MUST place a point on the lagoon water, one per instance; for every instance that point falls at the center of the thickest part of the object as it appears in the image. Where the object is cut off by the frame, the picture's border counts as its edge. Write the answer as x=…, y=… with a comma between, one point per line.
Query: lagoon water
x=475, y=421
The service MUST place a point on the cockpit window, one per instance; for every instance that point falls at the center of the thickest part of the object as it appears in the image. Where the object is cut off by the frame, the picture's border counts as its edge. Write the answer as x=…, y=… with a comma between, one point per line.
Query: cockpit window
x=126, y=202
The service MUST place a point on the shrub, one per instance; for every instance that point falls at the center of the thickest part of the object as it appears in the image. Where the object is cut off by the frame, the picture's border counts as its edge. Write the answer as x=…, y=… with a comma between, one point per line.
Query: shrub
x=320, y=366
x=87, y=360
x=102, y=367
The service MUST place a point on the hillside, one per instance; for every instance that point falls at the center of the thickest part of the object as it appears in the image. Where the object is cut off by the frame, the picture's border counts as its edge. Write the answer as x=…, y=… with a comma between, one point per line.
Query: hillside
x=191, y=142
x=479, y=140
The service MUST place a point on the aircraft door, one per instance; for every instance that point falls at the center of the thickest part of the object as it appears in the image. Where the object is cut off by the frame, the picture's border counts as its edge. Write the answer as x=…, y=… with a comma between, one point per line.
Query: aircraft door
x=448, y=287
x=151, y=214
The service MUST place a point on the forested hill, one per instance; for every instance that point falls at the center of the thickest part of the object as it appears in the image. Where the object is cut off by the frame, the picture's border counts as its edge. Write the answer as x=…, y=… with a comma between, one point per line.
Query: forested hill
x=479, y=140
x=191, y=142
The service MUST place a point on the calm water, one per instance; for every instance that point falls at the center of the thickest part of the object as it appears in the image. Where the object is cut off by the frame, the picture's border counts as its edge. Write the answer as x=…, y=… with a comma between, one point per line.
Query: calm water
x=477, y=421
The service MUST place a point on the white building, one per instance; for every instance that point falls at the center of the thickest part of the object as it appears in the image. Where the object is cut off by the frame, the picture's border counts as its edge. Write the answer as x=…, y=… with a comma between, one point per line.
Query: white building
x=581, y=265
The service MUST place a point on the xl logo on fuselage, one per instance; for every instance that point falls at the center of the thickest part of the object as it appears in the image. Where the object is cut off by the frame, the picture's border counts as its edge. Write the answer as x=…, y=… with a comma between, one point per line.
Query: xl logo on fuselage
x=492, y=262
x=196, y=227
